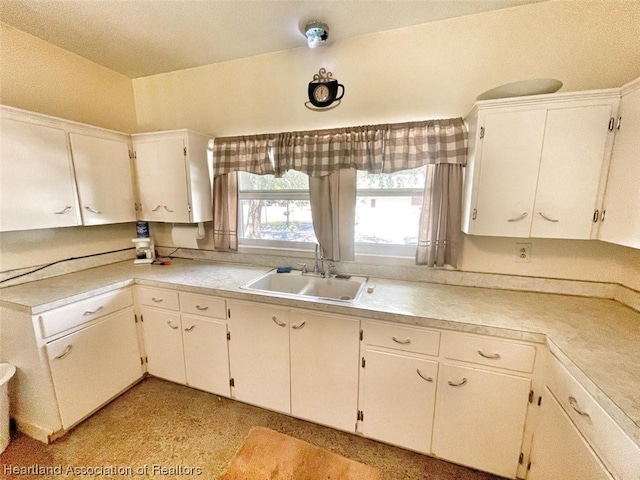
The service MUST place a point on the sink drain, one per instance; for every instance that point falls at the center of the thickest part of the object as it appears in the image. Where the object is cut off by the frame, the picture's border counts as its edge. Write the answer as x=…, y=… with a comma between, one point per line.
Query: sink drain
x=345, y=297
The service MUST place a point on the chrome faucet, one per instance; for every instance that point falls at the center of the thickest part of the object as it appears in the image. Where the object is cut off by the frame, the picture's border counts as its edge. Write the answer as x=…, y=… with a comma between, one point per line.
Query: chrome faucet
x=318, y=261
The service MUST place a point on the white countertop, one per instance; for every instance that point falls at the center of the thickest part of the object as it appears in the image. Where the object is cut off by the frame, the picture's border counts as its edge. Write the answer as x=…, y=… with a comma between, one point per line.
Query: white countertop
x=598, y=340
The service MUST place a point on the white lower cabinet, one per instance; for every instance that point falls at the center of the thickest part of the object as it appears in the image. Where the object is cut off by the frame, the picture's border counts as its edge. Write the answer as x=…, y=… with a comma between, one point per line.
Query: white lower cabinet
x=295, y=362
x=182, y=346
x=94, y=364
x=259, y=355
x=324, y=368
x=558, y=451
x=398, y=399
x=479, y=420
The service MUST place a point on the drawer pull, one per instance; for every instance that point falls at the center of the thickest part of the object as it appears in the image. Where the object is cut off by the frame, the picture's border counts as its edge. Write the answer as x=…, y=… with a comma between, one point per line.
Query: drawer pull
x=428, y=379
x=574, y=404
x=157, y=300
x=464, y=380
x=401, y=342
x=202, y=309
x=92, y=312
x=171, y=325
x=167, y=209
x=298, y=327
x=495, y=356
x=548, y=219
x=66, y=352
x=188, y=329
x=275, y=320
x=156, y=209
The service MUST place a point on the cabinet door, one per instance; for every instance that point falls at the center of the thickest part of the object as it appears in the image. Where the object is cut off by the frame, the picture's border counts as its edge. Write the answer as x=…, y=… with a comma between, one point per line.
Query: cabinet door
x=575, y=140
x=324, y=369
x=163, y=344
x=398, y=399
x=558, y=451
x=92, y=365
x=259, y=355
x=205, y=354
x=509, y=161
x=37, y=188
x=103, y=173
x=479, y=419
x=160, y=166
x=621, y=218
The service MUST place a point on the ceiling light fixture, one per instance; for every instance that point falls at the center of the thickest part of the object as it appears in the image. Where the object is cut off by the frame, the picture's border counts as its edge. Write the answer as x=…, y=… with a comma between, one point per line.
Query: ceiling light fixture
x=316, y=33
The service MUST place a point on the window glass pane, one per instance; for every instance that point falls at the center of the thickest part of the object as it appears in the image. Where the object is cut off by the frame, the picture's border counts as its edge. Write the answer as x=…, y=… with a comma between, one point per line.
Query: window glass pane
x=275, y=209
x=388, y=207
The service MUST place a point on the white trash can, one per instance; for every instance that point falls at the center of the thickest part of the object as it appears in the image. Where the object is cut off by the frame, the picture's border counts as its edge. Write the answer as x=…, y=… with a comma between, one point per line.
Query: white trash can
x=6, y=372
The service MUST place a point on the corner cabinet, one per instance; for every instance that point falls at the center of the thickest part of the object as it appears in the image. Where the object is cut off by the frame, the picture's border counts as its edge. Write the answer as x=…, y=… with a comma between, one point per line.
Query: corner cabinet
x=621, y=211
x=536, y=165
x=172, y=175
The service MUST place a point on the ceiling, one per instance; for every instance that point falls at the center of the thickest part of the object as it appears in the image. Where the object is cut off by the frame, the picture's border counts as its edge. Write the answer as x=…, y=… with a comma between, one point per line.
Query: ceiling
x=146, y=37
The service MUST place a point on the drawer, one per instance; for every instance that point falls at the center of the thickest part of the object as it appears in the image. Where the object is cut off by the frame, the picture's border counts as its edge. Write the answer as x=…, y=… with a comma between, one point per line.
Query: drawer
x=157, y=297
x=618, y=452
x=203, y=305
x=489, y=351
x=65, y=318
x=399, y=337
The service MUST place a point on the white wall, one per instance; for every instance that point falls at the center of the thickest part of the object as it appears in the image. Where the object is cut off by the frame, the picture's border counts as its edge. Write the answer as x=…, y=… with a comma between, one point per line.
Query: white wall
x=430, y=71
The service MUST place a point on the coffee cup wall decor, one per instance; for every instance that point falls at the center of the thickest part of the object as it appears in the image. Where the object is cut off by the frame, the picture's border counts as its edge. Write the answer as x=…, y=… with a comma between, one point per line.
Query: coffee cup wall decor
x=323, y=91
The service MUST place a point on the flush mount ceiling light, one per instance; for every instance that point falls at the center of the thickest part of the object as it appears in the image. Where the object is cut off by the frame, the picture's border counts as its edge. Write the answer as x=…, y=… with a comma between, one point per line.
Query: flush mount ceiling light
x=316, y=33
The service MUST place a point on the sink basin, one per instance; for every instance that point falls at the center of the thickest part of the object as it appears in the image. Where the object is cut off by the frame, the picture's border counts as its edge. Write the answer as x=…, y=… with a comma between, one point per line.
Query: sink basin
x=306, y=286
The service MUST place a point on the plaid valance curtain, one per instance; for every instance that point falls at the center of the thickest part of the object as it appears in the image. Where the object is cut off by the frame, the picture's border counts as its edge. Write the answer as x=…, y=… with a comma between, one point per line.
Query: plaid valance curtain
x=321, y=152
x=412, y=145
x=383, y=148
x=250, y=153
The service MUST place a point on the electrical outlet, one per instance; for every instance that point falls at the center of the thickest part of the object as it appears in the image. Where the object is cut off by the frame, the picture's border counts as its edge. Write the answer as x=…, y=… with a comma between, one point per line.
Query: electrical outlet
x=523, y=252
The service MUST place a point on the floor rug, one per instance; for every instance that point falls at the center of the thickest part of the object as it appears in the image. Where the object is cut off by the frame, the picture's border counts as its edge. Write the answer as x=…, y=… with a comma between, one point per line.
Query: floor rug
x=270, y=455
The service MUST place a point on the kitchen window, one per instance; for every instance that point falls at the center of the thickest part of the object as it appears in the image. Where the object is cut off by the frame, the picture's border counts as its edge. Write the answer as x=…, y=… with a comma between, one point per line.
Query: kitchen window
x=388, y=209
x=275, y=212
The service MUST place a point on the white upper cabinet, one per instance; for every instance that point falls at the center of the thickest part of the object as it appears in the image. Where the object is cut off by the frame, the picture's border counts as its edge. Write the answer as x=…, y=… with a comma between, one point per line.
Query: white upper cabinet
x=621, y=215
x=173, y=176
x=59, y=173
x=103, y=173
x=535, y=165
x=37, y=187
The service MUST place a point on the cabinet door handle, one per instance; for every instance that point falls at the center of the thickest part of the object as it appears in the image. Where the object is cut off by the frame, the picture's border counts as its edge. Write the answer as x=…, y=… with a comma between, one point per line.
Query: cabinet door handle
x=89, y=209
x=298, y=327
x=157, y=300
x=548, y=219
x=464, y=380
x=66, y=352
x=66, y=209
x=495, y=356
x=518, y=218
x=275, y=320
x=202, y=309
x=91, y=312
x=157, y=208
x=574, y=404
x=428, y=379
x=167, y=209
x=188, y=329
x=171, y=325
x=401, y=342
